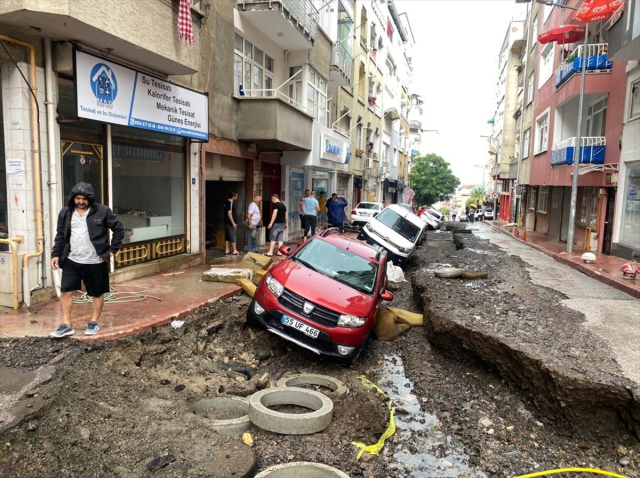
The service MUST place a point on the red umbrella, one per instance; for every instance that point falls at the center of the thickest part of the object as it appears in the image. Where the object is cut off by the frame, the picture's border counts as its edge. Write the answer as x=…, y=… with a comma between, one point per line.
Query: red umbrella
x=596, y=10
x=563, y=34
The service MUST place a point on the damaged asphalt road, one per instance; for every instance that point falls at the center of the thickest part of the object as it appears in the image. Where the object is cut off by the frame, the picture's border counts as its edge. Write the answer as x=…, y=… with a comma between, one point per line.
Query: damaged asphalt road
x=110, y=410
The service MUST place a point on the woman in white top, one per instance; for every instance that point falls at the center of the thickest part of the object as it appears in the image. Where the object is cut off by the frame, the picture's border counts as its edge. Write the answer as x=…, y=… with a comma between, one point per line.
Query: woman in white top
x=253, y=219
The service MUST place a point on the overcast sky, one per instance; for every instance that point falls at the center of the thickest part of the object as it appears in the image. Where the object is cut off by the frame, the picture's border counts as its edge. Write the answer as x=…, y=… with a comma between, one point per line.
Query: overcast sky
x=455, y=71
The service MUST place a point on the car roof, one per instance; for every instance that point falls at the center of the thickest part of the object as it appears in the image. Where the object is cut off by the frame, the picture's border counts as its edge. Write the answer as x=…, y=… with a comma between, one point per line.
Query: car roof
x=352, y=245
x=368, y=202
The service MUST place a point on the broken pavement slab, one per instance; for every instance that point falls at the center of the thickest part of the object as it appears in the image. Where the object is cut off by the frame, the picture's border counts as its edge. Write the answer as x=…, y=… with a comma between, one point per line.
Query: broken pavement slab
x=228, y=275
x=255, y=262
x=258, y=275
x=409, y=318
x=248, y=286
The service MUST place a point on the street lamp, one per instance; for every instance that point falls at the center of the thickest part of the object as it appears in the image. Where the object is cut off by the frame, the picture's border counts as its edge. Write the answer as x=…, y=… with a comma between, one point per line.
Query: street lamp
x=576, y=149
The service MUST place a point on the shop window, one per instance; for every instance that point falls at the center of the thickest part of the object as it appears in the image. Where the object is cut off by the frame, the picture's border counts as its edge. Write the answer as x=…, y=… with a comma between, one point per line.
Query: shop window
x=630, y=224
x=634, y=107
x=587, y=213
x=148, y=183
x=320, y=183
x=342, y=185
x=252, y=69
x=543, y=199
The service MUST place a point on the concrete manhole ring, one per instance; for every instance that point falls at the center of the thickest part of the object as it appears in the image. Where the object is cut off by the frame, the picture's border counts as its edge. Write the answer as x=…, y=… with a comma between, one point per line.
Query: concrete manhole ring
x=232, y=459
x=301, y=470
x=337, y=387
x=289, y=423
x=237, y=409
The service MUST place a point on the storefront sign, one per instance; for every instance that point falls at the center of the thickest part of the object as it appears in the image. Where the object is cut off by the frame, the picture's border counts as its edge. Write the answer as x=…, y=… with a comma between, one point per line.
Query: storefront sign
x=112, y=93
x=333, y=149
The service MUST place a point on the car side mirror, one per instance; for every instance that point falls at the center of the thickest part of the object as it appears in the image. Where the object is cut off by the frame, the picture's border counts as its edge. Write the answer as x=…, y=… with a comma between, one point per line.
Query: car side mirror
x=386, y=295
x=286, y=250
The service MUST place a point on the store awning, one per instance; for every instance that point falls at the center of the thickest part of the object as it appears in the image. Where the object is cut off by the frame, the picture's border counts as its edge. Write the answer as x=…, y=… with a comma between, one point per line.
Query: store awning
x=563, y=34
x=596, y=10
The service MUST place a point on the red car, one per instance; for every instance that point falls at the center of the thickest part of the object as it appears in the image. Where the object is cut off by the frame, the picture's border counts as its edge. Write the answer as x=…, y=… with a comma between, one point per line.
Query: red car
x=324, y=296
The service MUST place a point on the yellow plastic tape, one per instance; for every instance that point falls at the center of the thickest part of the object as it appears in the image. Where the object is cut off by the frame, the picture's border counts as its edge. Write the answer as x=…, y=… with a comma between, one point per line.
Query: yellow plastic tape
x=391, y=429
x=572, y=470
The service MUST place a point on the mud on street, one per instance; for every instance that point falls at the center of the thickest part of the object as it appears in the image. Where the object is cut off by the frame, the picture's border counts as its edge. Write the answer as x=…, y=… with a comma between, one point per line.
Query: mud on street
x=110, y=409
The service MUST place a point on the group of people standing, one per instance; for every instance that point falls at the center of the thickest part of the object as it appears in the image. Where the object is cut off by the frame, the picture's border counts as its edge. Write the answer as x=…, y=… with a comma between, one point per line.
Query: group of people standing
x=321, y=212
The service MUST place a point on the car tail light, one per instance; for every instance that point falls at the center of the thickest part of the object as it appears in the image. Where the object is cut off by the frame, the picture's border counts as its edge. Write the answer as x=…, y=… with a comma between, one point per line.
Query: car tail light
x=354, y=213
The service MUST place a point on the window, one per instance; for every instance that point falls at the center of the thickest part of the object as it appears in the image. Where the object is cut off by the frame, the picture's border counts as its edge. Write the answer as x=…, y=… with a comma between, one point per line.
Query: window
x=317, y=97
x=596, y=118
x=534, y=32
x=533, y=197
x=634, y=107
x=252, y=69
x=587, y=213
x=547, y=11
x=295, y=86
x=543, y=199
x=542, y=133
x=359, y=134
x=530, y=86
x=386, y=153
x=630, y=224
x=525, y=144
x=546, y=64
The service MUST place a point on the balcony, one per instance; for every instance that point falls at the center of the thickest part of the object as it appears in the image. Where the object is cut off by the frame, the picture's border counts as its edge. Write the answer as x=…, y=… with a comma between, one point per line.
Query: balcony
x=291, y=24
x=592, y=151
x=341, y=65
x=275, y=122
x=142, y=32
x=596, y=59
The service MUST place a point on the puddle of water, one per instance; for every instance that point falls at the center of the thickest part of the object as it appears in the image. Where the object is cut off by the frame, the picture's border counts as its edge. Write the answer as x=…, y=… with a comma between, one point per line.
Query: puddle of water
x=424, y=451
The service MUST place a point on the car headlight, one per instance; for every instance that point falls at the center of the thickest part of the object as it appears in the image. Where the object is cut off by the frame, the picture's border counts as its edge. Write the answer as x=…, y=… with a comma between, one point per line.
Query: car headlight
x=350, y=321
x=274, y=286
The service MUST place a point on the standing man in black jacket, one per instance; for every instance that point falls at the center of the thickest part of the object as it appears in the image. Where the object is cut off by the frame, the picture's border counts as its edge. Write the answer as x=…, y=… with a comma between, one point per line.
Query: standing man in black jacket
x=81, y=248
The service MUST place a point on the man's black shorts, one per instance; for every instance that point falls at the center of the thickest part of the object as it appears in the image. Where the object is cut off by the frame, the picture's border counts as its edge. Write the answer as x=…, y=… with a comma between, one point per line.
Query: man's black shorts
x=94, y=276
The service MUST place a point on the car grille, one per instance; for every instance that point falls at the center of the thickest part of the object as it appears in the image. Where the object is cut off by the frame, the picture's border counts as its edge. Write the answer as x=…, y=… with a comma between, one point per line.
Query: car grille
x=320, y=315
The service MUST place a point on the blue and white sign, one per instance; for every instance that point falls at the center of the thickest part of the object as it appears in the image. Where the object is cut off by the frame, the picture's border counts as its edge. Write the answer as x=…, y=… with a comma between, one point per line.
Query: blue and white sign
x=112, y=93
x=334, y=149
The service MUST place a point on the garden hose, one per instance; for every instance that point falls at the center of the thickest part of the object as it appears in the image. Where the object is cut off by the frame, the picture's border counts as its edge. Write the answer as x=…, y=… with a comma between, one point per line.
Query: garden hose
x=119, y=297
x=572, y=470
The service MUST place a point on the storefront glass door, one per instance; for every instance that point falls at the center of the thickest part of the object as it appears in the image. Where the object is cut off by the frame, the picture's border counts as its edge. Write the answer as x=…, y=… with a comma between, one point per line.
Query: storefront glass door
x=81, y=162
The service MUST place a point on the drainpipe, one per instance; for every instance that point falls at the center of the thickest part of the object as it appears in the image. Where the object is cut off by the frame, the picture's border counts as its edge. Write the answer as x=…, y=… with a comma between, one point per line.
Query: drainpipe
x=35, y=138
x=13, y=241
x=54, y=193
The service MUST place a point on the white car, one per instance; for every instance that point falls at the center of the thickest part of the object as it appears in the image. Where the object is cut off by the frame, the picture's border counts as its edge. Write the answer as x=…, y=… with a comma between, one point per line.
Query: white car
x=397, y=230
x=488, y=214
x=364, y=211
x=433, y=218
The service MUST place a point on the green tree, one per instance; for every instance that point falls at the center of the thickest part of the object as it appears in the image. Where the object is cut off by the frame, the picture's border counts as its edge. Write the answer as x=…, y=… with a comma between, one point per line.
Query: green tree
x=432, y=180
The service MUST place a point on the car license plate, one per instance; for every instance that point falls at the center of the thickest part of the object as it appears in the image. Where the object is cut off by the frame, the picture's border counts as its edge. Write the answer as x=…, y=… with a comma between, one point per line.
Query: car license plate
x=301, y=326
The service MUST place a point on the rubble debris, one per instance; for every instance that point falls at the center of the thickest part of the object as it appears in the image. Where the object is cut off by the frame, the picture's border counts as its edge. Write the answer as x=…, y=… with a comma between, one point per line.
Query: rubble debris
x=255, y=262
x=409, y=318
x=248, y=286
x=386, y=327
x=449, y=272
x=258, y=275
x=228, y=275
x=160, y=462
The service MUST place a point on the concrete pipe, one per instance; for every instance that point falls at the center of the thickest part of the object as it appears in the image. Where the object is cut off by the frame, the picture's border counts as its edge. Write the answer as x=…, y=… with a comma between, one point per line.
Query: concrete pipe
x=289, y=423
x=301, y=469
x=234, y=410
x=337, y=387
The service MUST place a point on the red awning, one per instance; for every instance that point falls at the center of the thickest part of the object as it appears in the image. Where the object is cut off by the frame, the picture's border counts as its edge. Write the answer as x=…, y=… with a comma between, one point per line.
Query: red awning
x=563, y=34
x=596, y=10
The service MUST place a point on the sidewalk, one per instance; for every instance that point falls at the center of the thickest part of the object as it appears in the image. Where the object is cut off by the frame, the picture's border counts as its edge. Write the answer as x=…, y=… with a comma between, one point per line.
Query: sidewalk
x=154, y=301
x=606, y=268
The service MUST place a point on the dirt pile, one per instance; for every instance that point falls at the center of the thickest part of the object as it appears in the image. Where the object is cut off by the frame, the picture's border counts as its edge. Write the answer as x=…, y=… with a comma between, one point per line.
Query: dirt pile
x=523, y=331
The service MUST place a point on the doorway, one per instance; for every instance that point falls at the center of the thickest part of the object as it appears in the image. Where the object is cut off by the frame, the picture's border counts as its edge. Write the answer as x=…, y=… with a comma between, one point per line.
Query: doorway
x=217, y=193
x=608, y=221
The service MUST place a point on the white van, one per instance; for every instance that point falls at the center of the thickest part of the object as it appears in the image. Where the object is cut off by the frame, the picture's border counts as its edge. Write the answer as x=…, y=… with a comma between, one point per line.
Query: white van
x=397, y=230
x=433, y=218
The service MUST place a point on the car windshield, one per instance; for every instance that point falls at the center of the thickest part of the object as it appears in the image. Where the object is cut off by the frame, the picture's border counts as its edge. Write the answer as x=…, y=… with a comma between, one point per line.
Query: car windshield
x=399, y=224
x=339, y=264
x=368, y=205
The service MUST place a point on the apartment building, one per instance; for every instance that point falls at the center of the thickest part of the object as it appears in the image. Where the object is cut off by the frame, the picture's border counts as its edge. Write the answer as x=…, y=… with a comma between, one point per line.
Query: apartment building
x=504, y=118
x=624, y=45
x=555, y=131
x=526, y=68
x=109, y=97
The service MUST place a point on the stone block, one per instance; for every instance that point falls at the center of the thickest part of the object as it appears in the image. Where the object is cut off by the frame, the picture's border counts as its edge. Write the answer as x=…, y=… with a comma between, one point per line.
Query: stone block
x=226, y=275
x=248, y=286
x=255, y=262
x=258, y=275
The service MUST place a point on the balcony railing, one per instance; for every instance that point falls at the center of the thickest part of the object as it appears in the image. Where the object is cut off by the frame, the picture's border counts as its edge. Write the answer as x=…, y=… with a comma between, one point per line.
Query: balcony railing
x=275, y=94
x=592, y=151
x=301, y=12
x=596, y=59
x=342, y=59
